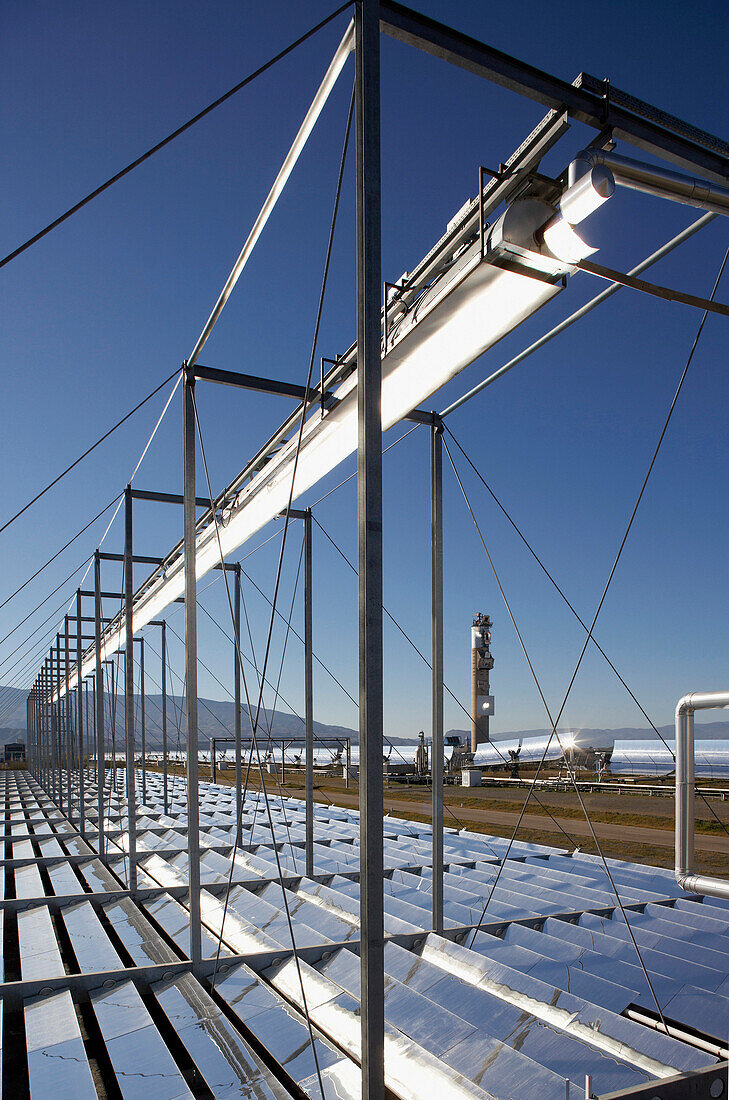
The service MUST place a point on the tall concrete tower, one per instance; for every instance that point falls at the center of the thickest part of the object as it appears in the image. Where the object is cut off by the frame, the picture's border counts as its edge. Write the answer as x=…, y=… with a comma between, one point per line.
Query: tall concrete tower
x=482, y=703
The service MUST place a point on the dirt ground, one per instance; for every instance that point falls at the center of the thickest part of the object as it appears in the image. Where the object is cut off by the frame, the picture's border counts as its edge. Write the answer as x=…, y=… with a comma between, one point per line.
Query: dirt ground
x=632, y=826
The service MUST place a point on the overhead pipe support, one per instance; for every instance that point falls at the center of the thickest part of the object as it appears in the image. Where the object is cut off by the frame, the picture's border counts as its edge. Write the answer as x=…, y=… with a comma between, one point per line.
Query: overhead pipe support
x=685, y=784
x=638, y=176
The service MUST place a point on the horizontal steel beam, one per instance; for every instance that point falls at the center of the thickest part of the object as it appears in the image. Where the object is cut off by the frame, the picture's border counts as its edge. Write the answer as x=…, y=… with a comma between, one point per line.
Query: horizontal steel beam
x=166, y=498
x=138, y=559
x=104, y=595
x=253, y=382
x=580, y=102
x=701, y=1084
x=14, y=994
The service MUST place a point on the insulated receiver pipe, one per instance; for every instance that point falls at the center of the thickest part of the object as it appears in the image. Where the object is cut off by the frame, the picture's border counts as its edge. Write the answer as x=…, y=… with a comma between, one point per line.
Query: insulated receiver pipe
x=685, y=784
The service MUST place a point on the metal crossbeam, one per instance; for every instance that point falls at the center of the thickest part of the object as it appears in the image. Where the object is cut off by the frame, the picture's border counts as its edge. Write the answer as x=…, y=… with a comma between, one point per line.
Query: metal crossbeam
x=581, y=103
x=655, y=289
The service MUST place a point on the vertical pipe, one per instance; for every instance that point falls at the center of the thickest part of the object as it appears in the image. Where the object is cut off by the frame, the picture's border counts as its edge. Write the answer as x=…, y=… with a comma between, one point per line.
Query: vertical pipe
x=236, y=689
x=436, y=522
x=80, y=717
x=193, y=816
x=309, y=692
x=129, y=688
x=143, y=720
x=164, y=715
x=369, y=515
x=684, y=790
x=213, y=766
x=99, y=705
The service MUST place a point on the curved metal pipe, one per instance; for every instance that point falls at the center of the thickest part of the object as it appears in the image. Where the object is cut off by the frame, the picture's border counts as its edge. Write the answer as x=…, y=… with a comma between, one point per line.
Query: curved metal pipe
x=638, y=176
x=685, y=785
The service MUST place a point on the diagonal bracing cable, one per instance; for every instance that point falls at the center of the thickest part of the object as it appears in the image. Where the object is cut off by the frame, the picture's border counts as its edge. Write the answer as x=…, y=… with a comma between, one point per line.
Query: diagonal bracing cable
x=454, y=697
x=553, y=725
x=299, y=437
x=86, y=453
x=576, y=614
x=58, y=553
x=170, y=137
x=254, y=741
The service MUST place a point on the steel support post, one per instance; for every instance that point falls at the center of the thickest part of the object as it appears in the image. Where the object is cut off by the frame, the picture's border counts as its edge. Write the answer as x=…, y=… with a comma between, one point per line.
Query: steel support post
x=193, y=815
x=436, y=756
x=29, y=731
x=236, y=690
x=129, y=687
x=80, y=717
x=113, y=674
x=143, y=720
x=309, y=693
x=67, y=722
x=369, y=514
x=99, y=705
x=164, y=715
x=45, y=780
x=57, y=711
x=47, y=727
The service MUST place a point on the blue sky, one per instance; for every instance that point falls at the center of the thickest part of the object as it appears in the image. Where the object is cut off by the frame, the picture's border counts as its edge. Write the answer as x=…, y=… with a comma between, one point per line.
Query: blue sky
x=97, y=314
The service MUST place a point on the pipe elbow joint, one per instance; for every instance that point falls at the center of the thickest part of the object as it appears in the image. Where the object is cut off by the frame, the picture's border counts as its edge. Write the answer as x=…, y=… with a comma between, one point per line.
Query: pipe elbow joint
x=685, y=705
x=580, y=165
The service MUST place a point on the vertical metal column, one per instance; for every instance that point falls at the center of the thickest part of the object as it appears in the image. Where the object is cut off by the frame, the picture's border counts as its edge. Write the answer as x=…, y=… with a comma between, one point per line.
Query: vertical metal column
x=57, y=711
x=143, y=720
x=80, y=716
x=99, y=705
x=29, y=731
x=45, y=780
x=236, y=689
x=436, y=755
x=129, y=687
x=309, y=692
x=193, y=814
x=369, y=509
x=67, y=723
x=46, y=728
x=164, y=714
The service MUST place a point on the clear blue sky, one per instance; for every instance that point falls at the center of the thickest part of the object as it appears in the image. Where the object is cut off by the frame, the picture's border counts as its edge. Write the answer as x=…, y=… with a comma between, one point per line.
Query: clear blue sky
x=102, y=310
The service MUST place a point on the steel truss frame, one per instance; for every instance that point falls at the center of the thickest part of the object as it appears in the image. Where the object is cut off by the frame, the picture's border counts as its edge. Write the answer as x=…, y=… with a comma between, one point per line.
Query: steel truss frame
x=605, y=109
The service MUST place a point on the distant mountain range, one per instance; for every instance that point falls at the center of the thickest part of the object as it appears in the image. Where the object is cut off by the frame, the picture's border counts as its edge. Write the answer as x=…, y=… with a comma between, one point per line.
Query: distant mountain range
x=215, y=719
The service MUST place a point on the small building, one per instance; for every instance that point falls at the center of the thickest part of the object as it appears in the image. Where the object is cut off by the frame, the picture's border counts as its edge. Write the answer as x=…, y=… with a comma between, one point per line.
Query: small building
x=14, y=750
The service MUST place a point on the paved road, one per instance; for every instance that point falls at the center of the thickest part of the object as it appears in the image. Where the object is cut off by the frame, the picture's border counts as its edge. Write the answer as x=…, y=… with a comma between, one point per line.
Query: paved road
x=631, y=834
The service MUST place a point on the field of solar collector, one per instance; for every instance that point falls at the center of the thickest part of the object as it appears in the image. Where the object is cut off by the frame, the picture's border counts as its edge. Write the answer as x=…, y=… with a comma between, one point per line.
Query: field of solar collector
x=534, y=986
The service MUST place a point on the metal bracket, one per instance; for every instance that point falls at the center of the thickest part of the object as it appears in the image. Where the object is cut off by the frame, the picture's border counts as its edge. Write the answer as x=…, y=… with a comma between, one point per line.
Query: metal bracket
x=657, y=291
